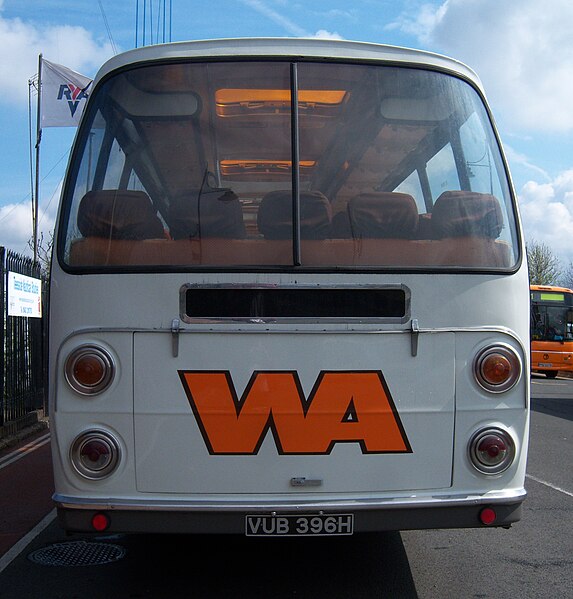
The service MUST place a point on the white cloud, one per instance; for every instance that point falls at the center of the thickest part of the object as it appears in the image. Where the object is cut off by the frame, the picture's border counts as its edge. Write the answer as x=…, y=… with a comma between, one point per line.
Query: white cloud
x=16, y=229
x=22, y=42
x=286, y=23
x=16, y=225
x=16, y=216
x=547, y=214
x=423, y=24
x=327, y=35
x=522, y=50
x=337, y=13
x=516, y=157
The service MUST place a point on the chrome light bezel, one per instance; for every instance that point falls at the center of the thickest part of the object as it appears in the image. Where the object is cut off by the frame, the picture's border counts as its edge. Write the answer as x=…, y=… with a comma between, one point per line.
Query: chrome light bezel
x=507, y=460
x=100, y=354
x=103, y=437
x=507, y=352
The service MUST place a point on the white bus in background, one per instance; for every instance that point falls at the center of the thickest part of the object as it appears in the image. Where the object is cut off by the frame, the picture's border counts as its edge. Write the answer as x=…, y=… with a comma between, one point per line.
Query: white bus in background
x=288, y=296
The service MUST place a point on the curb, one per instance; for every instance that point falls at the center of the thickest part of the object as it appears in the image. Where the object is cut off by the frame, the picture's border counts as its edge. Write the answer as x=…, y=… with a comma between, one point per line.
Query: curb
x=14, y=432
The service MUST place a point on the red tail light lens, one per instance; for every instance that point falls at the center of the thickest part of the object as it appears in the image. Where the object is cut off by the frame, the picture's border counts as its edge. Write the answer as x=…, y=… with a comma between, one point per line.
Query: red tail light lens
x=89, y=369
x=95, y=454
x=492, y=451
x=497, y=368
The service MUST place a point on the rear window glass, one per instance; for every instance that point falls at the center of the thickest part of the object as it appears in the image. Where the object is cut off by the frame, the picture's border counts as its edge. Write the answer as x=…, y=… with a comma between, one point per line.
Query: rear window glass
x=191, y=166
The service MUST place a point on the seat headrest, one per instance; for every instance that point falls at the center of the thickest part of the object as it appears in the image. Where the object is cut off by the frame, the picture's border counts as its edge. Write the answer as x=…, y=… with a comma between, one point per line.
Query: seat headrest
x=118, y=214
x=467, y=213
x=212, y=213
x=383, y=215
x=274, y=218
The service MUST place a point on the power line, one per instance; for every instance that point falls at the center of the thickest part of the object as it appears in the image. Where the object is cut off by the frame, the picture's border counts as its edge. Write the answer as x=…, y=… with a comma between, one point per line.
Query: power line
x=29, y=195
x=154, y=19
x=107, y=27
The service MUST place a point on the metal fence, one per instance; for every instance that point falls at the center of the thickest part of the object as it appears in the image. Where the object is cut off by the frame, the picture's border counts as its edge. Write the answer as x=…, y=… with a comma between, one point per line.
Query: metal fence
x=23, y=345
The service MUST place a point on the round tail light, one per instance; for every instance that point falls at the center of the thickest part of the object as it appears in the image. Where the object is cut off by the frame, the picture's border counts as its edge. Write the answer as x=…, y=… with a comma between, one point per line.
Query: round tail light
x=95, y=454
x=89, y=370
x=497, y=368
x=492, y=451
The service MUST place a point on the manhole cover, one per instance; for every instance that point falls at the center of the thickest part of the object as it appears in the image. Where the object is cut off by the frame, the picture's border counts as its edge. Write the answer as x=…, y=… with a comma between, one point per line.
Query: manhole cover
x=77, y=553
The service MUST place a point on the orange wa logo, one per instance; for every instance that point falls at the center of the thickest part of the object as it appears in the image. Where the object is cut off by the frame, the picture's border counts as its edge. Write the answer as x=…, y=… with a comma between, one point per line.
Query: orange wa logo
x=343, y=407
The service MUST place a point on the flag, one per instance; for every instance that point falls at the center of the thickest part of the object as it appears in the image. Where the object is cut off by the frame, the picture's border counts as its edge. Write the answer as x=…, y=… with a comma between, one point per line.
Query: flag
x=63, y=95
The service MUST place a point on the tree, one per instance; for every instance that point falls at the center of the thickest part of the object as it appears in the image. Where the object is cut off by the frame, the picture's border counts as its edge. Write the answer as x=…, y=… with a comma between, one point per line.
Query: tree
x=544, y=268
x=44, y=251
x=567, y=276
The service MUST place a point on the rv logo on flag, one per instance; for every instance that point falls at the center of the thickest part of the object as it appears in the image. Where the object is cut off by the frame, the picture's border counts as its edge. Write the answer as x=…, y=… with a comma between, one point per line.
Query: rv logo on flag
x=73, y=95
x=63, y=95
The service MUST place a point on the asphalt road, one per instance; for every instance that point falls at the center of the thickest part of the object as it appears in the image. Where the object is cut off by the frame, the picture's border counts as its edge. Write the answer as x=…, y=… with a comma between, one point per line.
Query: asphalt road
x=532, y=559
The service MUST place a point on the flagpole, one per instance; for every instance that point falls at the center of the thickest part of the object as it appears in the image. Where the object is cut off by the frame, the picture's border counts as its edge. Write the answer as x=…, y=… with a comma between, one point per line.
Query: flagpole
x=38, y=140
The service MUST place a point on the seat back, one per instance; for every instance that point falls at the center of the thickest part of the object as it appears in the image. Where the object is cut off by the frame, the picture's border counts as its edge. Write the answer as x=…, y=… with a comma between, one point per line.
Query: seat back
x=274, y=219
x=118, y=214
x=383, y=215
x=467, y=214
x=341, y=225
x=211, y=213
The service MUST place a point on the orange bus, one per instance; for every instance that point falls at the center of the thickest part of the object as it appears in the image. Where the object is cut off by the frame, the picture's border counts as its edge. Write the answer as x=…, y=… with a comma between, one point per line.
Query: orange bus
x=551, y=330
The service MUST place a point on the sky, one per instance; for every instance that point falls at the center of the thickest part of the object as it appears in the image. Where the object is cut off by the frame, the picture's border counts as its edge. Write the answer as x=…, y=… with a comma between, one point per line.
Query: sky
x=521, y=49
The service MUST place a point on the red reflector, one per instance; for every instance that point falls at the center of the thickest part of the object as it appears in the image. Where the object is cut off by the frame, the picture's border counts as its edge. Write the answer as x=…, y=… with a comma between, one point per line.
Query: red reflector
x=487, y=516
x=100, y=522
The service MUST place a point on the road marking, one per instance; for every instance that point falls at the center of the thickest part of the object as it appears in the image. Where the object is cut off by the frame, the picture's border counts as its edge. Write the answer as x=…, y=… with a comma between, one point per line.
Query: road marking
x=544, y=482
x=24, y=451
x=18, y=547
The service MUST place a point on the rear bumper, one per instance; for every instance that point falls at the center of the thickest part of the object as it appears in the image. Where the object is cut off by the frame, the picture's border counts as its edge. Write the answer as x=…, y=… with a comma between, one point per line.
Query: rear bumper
x=75, y=515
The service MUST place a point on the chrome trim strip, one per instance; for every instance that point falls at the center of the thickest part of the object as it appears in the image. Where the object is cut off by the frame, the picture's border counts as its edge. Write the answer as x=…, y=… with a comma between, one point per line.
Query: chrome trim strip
x=428, y=330
x=295, y=504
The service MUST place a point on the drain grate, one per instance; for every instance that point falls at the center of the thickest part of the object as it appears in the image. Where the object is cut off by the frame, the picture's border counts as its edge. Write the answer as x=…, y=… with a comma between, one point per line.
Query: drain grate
x=77, y=553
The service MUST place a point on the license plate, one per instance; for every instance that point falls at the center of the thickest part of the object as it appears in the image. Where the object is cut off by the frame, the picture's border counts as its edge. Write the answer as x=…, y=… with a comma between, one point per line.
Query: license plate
x=297, y=525
x=545, y=365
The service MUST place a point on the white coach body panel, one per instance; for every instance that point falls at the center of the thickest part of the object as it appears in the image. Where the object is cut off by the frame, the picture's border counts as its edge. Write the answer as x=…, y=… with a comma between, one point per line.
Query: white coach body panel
x=167, y=431
x=288, y=278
